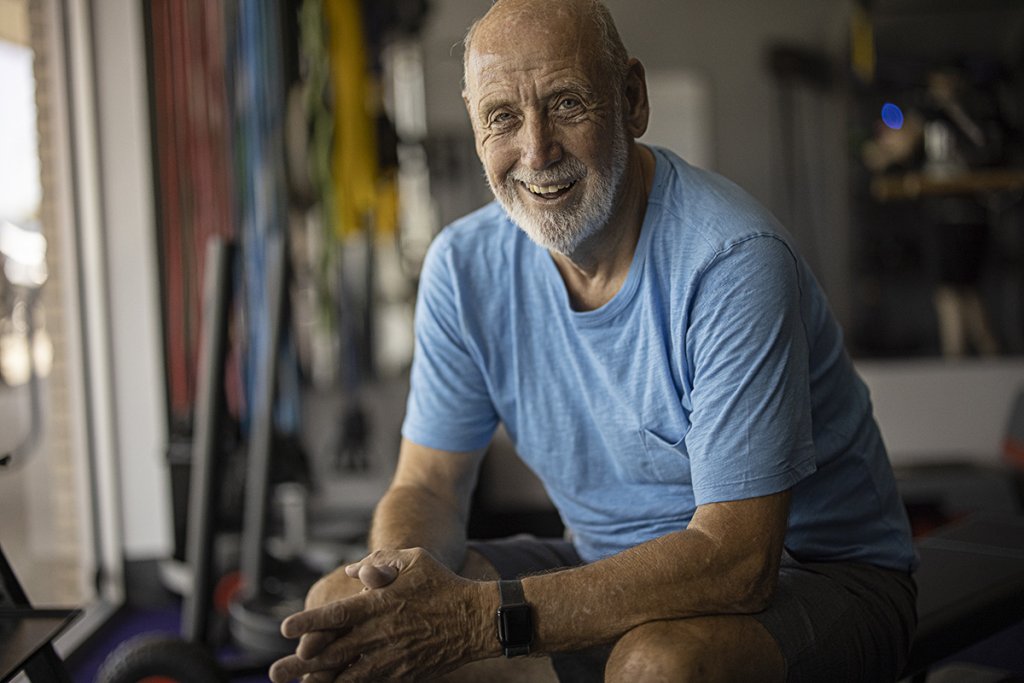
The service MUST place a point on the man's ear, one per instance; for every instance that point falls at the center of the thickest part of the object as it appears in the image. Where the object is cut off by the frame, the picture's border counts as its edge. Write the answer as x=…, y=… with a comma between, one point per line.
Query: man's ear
x=638, y=107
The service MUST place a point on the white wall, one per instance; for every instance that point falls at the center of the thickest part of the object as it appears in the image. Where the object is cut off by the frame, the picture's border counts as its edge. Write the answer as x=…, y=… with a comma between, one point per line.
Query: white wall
x=132, y=271
x=943, y=411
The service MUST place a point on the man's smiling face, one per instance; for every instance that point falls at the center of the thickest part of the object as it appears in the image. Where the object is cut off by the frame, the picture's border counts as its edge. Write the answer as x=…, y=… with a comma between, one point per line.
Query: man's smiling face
x=548, y=122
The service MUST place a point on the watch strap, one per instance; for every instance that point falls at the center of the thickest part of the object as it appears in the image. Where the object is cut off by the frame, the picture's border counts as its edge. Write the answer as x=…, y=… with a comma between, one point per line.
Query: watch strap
x=511, y=591
x=515, y=619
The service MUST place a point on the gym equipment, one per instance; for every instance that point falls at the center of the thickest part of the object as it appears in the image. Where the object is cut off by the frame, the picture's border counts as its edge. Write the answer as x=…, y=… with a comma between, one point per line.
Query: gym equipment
x=970, y=586
x=163, y=658
x=263, y=598
x=26, y=633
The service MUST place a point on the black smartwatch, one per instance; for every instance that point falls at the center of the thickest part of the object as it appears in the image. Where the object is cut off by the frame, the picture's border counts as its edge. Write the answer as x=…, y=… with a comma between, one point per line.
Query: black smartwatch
x=515, y=619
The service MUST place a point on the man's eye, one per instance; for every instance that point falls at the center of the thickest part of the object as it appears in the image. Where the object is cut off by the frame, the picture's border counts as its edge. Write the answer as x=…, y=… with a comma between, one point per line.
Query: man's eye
x=501, y=118
x=568, y=103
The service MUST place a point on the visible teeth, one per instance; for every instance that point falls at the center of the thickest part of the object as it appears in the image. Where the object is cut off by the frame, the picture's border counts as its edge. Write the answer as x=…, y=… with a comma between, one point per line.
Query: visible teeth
x=546, y=189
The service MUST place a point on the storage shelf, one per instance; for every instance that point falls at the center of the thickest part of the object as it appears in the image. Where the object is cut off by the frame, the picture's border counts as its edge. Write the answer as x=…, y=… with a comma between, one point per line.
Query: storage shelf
x=904, y=186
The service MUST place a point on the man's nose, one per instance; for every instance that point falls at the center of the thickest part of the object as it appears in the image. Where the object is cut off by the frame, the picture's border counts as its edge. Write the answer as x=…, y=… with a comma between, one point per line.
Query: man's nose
x=541, y=147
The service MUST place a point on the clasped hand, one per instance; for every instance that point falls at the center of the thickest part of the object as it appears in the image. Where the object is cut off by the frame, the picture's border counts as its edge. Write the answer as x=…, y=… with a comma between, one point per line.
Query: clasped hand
x=413, y=619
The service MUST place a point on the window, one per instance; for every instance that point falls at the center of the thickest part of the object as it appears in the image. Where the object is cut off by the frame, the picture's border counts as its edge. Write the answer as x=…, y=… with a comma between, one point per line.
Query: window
x=58, y=501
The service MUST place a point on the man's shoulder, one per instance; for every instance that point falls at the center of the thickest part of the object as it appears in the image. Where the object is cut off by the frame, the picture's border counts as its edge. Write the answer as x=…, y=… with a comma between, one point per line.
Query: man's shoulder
x=481, y=230
x=714, y=211
x=479, y=224
x=479, y=241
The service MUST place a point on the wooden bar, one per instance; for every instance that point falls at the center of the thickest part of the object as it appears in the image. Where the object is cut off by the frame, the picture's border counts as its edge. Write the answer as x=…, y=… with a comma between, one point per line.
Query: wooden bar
x=888, y=188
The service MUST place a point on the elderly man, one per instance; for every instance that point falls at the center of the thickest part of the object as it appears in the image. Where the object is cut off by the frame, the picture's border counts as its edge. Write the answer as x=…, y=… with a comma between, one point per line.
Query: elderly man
x=668, y=366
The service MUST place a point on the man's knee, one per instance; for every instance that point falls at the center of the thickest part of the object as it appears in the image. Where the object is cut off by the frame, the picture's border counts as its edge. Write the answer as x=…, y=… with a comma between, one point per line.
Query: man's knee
x=653, y=653
x=698, y=649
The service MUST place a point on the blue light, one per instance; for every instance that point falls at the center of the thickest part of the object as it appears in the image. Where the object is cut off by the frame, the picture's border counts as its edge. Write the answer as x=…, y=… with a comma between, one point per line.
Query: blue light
x=892, y=116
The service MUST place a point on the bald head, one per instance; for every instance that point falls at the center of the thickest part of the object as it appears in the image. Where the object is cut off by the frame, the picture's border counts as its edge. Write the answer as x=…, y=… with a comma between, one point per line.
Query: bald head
x=516, y=24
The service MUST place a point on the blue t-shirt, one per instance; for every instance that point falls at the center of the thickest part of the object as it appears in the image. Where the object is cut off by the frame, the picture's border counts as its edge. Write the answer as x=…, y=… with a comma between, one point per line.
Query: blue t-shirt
x=715, y=373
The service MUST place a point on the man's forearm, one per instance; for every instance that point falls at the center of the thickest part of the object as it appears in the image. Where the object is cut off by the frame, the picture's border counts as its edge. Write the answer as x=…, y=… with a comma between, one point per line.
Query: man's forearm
x=413, y=517
x=427, y=504
x=683, y=574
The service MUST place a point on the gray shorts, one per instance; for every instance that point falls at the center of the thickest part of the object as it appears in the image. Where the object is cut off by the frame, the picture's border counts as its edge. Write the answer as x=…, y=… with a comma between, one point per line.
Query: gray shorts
x=833, y=621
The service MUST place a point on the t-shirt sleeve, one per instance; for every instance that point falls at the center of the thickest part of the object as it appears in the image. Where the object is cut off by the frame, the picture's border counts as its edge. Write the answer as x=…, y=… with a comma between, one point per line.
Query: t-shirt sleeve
x=449, y=406
x=750, y=424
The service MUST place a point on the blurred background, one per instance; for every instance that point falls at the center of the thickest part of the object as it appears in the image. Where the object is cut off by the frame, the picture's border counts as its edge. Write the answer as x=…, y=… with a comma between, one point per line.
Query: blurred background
x=324, y=143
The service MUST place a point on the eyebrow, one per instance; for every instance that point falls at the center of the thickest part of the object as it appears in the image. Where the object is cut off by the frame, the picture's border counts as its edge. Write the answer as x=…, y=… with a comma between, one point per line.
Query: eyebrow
x=488, y=104
x=574, y=87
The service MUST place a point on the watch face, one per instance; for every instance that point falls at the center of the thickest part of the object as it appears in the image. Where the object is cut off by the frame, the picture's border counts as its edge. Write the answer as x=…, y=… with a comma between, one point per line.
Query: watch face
x=517, y=628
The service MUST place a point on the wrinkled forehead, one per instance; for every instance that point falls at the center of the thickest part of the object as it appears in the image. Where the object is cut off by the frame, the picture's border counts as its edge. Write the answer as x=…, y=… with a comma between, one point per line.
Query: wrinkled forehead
x=515, y=21
x=530, y=35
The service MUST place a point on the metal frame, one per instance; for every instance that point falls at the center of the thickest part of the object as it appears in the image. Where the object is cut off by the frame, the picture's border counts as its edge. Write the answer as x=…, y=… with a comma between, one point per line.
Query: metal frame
x=40, y=662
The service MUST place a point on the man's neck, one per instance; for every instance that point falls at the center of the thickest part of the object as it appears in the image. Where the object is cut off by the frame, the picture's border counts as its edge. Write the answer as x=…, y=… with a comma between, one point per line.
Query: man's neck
x=595, y=272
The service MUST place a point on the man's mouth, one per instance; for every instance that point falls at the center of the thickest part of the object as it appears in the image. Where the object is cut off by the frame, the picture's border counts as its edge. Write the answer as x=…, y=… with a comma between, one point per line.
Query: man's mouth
x=549, y=191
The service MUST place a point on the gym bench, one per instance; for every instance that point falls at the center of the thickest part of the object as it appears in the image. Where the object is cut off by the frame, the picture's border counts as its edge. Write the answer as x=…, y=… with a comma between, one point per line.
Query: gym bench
x=970, y=586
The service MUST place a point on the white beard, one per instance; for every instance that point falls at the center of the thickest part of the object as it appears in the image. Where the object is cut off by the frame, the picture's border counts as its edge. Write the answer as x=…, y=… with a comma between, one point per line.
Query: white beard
x=564, y=230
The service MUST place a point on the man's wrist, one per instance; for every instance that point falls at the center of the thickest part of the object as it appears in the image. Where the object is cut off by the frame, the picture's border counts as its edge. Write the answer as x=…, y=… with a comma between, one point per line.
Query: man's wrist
x=514, y=619
x=484, y=605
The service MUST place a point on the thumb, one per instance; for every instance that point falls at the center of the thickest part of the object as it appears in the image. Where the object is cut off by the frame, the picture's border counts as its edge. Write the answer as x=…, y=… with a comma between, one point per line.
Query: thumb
x=372, y=574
